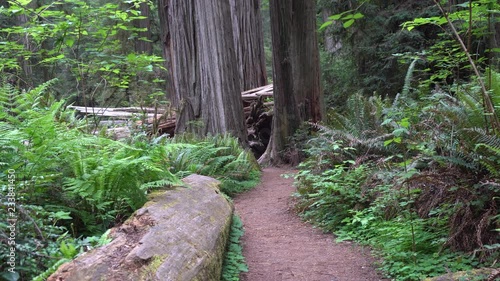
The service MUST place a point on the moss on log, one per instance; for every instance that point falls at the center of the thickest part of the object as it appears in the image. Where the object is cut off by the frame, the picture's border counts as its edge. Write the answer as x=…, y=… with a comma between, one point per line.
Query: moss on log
x=179, y=235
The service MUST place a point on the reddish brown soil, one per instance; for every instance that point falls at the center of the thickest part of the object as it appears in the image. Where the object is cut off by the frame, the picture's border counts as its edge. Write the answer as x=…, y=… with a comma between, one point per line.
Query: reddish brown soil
x=279, y=246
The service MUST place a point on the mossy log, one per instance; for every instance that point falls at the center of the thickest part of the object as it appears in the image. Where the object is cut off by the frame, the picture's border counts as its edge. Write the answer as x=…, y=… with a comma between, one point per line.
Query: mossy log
x=179, y=235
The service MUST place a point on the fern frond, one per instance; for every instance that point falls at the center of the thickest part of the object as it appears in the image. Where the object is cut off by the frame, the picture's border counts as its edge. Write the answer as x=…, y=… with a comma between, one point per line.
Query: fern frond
x=216, y=164
x=491, y=158
x=163, y=183
x=472, y=108
x=459, y=160
x=485, y=138
x=483, y=151
x=408, y=78
x=494, y=86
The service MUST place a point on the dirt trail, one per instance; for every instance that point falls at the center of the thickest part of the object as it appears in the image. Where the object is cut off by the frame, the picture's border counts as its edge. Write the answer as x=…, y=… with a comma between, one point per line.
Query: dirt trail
x=279, y=246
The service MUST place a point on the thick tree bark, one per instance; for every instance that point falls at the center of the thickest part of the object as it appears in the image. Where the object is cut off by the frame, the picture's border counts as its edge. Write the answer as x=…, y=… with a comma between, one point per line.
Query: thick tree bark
x=249, y=43
x=143, y=45
x=179, y=50
x=297, y=90
x=203, y=75
x=305, y=64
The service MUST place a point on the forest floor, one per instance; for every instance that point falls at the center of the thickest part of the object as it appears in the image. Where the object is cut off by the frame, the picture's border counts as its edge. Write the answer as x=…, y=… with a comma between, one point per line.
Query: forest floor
x=278, y=245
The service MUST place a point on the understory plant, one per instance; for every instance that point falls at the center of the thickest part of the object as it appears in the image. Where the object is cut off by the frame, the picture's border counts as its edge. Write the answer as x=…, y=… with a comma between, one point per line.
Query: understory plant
x=221, y=157
x=68, y=184
x=71, y=186
x=415, y=178
x=234, y=261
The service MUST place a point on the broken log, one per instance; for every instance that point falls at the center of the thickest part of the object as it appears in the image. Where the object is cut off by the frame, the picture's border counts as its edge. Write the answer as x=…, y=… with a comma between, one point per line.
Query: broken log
x=257, y=113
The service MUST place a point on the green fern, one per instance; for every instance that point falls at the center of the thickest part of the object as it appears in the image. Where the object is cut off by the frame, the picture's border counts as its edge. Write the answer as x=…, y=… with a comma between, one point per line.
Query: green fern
x=221, y=157
x=492, y=161
x=472, y=110
x=46, y=274
x=96, y=180
x=494, y=86
x=234, y=261
x=17, y=105
x=408, y=78
x=483, y=148
x=159, y=184
x=360, y=126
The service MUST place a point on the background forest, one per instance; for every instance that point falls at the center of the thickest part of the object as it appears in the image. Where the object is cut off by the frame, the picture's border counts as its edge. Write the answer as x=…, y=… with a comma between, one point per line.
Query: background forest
x=406, y=158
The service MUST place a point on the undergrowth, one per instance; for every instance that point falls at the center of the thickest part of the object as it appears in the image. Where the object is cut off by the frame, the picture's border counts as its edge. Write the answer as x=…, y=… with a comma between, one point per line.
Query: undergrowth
x=234, y=261
x=70, y=186
x=415, y=178
x=220, y=157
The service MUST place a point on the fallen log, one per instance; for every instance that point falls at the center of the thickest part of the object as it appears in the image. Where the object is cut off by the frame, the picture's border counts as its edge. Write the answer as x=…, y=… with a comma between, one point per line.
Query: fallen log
x=180, y=234
x=120, y=113
x=163, y=121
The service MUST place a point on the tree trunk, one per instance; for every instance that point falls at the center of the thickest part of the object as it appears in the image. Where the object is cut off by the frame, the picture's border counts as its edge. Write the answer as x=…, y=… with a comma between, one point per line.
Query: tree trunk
x=143, y=44
x=297, y=91
x=305, y=64
x=203, y=75
x=332, y=42
x=28, y=79
x=249, y=43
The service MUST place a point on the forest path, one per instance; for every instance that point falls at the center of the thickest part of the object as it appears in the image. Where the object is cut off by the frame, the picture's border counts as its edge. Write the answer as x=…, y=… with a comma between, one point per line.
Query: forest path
x=279, y=246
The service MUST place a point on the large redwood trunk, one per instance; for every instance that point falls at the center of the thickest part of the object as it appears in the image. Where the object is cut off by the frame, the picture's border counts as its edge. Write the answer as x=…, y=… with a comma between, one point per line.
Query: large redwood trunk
x=204, y=83
x=297, y=91
x=305, y=61
x=249, y=43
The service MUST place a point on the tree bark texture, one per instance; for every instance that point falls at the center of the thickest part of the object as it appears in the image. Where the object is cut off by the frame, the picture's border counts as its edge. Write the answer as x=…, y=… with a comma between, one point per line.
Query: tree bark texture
x=144, y=45
x=249, y=43
x=296, y=75
x=28, y=79
x=203, y=74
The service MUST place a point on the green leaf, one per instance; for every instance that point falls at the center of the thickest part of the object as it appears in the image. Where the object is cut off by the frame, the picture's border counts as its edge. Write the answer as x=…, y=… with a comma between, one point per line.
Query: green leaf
x=61, y=215
x=405, y=123
x=53, y=59
x=10, y=276
x=409, y=174
x=70, y=42
x=348, y=23
x=357, y=16
x=131, y=57
x=400, y=132
x=404, y=163
x=23, y=2
x=336, y=17
x=386, y=121
x=325, y=25
x=463, y=5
